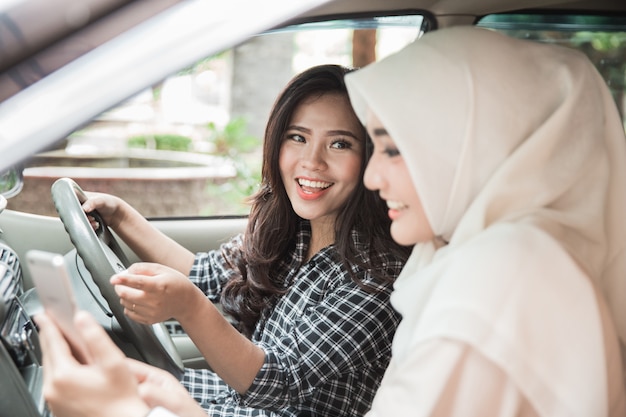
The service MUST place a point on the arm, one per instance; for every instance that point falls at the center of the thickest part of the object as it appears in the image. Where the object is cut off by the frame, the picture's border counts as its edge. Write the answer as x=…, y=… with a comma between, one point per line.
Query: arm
x=152, y=293
x=149, y=243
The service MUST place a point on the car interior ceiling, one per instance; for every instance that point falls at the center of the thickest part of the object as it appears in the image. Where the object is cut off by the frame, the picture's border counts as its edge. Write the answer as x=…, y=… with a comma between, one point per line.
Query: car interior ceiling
x=29, y=52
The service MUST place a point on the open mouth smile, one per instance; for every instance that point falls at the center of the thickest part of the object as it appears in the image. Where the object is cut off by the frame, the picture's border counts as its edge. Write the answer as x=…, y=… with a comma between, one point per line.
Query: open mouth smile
x=309, y=189
x=313, y=184
x=396, y=205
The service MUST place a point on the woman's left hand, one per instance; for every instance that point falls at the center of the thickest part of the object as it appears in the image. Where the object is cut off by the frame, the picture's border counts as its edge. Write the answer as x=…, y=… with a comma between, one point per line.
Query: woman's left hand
x=152, y=293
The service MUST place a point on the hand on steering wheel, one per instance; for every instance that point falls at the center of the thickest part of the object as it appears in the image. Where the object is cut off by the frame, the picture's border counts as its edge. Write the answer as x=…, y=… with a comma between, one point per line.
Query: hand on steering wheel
x=103, y=257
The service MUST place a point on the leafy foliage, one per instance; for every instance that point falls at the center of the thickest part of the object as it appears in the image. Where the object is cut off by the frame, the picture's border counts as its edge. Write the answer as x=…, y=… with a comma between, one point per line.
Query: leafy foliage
x=234, y=142
x=233, y=139
x=164, y=142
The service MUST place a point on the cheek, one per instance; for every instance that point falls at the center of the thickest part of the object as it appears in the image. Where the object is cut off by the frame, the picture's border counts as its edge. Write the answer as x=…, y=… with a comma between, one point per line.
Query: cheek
x=285, y=159
x=352, y=167
x=422, y=231
x=286, y=174
x=411, y=229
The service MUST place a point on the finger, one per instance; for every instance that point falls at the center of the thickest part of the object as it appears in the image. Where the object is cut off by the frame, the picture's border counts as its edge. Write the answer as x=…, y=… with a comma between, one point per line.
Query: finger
x=129, y=308
x=155, y=395
x=158, y=387
x=128, y=289
x=53, y=344
x=141, y=370
x=132, y=310
x=140, y=317
x=93, y=222
x=128, y=279
x=100, y=346
x=56, y=353
x=147, y=268
x=138, y=312
x=131, y=303
x=89, y=205
x=131, y=299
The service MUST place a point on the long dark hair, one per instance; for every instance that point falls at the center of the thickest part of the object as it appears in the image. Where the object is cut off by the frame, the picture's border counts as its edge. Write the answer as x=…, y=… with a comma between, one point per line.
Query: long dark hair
x=273, y=224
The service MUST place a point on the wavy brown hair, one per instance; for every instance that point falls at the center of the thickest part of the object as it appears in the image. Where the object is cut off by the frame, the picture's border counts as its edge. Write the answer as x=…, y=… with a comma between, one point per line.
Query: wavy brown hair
x=273, y=224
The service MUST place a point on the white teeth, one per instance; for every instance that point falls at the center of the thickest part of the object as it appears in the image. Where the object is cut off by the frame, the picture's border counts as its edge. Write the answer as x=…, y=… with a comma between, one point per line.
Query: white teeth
x=396, y=205
x=313, y=184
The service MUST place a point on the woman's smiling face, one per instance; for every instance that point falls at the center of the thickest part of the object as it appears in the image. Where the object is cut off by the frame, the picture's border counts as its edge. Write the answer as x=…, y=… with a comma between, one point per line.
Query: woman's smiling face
x=388, y=174
x=321, y=156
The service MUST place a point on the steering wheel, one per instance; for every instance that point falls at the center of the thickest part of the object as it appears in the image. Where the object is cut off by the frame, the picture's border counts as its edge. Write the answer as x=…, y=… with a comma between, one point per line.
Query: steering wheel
x=103, y=257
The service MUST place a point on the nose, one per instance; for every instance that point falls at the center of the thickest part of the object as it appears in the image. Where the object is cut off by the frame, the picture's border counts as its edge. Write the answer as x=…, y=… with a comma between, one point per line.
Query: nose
x=313, y=157
x=371, y=177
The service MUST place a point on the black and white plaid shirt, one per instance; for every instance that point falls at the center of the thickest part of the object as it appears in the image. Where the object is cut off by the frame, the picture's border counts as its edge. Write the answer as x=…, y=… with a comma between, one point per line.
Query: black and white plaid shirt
x=327, y=341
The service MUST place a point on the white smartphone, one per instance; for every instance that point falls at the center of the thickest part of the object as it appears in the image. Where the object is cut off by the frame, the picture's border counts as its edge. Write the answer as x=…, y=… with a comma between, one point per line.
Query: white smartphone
x=52, y=283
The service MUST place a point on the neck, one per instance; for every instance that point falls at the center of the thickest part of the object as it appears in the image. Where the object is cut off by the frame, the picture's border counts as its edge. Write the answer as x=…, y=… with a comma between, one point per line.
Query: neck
x=322, y=235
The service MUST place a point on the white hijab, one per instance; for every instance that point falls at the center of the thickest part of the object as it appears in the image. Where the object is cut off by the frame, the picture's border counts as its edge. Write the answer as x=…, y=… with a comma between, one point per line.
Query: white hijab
x=517, y=152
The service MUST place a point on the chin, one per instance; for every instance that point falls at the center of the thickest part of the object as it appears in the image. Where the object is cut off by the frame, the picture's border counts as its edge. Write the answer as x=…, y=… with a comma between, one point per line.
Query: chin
x=401, y=238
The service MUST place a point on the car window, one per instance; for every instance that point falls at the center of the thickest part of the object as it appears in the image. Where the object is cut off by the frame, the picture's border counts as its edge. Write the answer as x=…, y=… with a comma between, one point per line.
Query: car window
x=601, y=38
x=191, y=145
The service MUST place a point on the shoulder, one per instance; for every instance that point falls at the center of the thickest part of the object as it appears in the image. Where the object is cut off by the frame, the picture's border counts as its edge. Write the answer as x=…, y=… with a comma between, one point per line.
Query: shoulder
x=508, y=267
x=506, y=245
x=513, y=262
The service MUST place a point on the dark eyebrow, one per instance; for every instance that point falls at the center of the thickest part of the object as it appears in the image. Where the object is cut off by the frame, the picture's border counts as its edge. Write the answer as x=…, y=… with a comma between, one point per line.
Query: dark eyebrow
x=380, y=131
x=298, y=128
x=338, y=132
x=342, y=133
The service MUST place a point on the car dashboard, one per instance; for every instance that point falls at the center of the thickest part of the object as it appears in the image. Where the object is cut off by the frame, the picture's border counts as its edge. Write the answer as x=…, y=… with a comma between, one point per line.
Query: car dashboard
x=20, y=355
x=20, y=352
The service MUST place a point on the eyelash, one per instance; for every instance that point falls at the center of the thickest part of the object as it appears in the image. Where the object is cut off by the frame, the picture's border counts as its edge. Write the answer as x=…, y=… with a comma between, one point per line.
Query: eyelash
x=344, y=143
x=296, y=137
x=391, y=152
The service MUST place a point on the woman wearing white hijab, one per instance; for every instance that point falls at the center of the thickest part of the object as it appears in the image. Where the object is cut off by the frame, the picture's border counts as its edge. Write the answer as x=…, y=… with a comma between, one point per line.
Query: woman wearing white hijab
x=514, y=157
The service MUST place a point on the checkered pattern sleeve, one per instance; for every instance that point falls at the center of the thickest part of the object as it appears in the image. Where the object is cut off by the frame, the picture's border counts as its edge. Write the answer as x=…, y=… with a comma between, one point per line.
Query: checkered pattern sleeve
x=218, y=399
x=211, y=270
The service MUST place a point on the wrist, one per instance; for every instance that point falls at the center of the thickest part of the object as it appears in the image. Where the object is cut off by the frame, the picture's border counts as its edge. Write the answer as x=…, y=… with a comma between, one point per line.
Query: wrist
x=120, y=214
x=196, y=305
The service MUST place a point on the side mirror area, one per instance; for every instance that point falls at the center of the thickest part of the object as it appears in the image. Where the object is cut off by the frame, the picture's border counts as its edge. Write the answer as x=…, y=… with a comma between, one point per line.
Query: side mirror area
x=11, y=181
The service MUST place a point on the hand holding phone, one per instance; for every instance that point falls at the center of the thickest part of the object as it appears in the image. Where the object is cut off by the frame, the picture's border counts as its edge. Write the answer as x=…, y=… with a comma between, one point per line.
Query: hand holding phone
x=52, y=283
